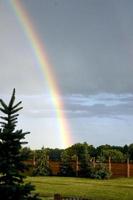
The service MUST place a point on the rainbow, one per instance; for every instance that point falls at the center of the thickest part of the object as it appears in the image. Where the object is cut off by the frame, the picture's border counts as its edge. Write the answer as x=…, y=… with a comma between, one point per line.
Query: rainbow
x=46, y=69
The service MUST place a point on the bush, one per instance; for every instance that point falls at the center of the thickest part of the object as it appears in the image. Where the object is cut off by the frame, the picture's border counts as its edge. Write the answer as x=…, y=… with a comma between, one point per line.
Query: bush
x=100, y=172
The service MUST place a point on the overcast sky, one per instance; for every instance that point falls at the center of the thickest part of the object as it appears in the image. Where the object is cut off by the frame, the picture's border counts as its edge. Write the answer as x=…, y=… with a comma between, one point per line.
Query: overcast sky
x=89, y=44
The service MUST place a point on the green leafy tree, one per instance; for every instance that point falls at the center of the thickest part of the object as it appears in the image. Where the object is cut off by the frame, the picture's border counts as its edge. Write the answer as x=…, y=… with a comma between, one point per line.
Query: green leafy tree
x=12, y=159
x=101, y=148
x=54, y=154
x=130, y=151
x=115, y=155
x=126, y=150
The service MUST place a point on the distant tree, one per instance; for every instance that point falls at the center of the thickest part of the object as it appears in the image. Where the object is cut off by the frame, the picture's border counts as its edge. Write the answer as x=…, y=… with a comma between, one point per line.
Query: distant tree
x=78, y=150
x=82, y=151
x=130, y=151
x=65, y=166
x=85, y=163
x=28, y=152
x=12, y=163
x=99, y=149
x=115, y=155
x=54, y=154
x=119, y=148
x=41, y=167
x=92, y=151
x=126, y=150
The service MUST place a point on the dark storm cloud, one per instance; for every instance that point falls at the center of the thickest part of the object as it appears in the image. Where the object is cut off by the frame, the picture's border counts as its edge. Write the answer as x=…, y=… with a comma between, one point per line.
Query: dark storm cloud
x=103, y=105
x=89, y=43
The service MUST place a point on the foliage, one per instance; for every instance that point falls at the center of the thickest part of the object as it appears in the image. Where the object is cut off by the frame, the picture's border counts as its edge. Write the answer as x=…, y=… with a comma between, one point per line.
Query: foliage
x=101, y=148
x=85, y=154
x=100, y=172
x=41, y=167
x=85, y=164
x=54, y=154
x=125, y=150
x=130, y=151
x=66, y=167
x=78, y=149
x=12, y=159
x=115, y=155
x=28, y=152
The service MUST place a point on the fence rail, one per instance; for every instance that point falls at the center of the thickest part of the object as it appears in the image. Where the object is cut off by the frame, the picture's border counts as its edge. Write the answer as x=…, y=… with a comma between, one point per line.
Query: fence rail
x=59, y=197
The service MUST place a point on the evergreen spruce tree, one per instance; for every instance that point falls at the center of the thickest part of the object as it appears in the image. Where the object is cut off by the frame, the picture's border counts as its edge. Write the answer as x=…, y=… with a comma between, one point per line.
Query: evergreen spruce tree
x=42, y=165
x=86, y=165
x=12, y=165
x=65, y=166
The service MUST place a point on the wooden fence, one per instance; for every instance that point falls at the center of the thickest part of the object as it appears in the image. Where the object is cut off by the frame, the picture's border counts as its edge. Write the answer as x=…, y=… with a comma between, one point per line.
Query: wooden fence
x=59, y=197
x=117, y=169
x=121, y=169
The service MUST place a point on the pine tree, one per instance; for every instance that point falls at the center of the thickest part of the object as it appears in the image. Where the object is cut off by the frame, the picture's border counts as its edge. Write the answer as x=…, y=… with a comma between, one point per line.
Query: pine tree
x=65, y=166
x=12, y=161
x=42, y=164
x=85, y=166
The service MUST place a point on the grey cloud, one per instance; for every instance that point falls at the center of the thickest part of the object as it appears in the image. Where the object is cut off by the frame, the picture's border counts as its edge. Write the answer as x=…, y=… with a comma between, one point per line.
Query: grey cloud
x=76, y=106
x=102, y=105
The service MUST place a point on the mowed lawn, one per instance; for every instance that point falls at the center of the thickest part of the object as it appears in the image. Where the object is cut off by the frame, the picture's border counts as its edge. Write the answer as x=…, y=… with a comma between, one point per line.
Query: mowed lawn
x=113, y=189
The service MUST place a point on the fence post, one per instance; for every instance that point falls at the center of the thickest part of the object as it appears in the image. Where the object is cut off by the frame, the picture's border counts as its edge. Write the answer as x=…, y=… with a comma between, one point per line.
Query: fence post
x=57, y=197
x=128, y=168
x=109, y=164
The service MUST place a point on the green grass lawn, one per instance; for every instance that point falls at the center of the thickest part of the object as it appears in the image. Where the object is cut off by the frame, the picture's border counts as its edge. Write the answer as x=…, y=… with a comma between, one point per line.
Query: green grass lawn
x=113, y=189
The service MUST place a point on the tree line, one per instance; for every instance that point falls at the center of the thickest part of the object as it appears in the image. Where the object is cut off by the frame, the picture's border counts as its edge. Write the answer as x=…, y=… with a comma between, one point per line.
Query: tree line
x=82, y=153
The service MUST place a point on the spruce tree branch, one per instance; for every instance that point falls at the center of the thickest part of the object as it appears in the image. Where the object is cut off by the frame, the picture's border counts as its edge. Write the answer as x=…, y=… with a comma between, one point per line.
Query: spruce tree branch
x=3, y=104
x=16, y=110
x=17, y=105
x=12, y=99
x=4, y=111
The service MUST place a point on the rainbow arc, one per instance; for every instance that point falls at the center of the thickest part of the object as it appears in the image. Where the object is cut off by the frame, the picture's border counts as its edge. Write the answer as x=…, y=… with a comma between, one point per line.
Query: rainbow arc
x=46, y=69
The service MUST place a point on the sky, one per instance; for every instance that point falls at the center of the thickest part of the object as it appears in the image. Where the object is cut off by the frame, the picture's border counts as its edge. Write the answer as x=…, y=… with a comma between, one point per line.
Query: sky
x=89, y=45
